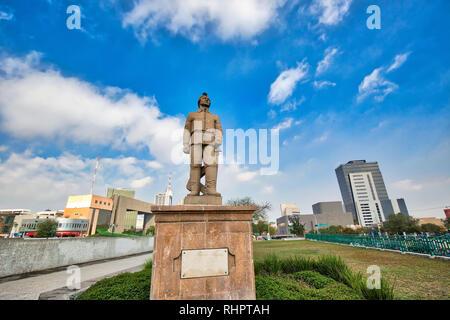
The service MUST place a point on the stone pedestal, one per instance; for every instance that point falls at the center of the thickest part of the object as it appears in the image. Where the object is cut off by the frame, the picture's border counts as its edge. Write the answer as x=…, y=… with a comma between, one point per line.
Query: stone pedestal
x=192, y=231
x=205, y=199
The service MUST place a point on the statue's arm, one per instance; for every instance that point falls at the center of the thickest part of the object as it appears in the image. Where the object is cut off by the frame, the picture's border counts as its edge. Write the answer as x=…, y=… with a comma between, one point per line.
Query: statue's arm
x=187, y=134
x=219, y=132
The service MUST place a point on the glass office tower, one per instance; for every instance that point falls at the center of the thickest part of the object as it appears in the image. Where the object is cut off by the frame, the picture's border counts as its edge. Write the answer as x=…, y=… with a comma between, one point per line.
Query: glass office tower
x=348, y=194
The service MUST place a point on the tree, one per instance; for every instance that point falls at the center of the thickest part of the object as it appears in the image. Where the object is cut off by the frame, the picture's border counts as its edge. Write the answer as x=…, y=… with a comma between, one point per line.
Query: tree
x=399, y=223
x=150, y=231
x=259, y=214
x=430, y=227
x=447, y=223
x=46, y=229
x=297, y=228
x=262, y=227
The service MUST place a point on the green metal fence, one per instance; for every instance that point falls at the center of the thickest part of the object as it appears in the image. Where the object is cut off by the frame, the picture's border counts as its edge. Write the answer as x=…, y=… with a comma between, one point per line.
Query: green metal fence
x=434, y=246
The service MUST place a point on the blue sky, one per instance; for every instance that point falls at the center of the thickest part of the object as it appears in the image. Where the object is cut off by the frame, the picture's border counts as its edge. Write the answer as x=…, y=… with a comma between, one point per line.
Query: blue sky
x=124, y=83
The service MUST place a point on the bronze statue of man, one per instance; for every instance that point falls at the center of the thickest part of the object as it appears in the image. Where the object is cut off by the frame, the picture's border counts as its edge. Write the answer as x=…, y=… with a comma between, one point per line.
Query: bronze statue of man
x=202, y=139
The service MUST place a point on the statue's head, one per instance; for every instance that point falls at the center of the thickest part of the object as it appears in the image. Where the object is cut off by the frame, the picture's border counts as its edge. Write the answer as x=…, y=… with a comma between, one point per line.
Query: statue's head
x=204, y=101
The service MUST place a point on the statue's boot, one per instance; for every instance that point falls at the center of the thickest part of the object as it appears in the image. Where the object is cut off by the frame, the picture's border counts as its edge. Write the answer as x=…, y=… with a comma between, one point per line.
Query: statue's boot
x=195, y=181
x=202, y=186
x=211, y=181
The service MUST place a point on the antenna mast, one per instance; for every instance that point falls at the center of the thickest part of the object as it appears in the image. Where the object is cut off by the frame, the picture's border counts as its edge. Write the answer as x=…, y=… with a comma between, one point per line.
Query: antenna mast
x=95, y=173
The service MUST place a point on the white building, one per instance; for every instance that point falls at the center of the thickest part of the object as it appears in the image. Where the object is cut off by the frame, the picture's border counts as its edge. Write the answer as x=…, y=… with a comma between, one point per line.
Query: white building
x=14, y=211
x=27, y=215
x=165, y=199
x=50, y=214
x=367, y=202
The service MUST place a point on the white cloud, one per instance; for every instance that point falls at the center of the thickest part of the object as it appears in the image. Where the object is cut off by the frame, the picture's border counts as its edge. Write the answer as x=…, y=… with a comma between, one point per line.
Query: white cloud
x=3, y=148
x=292, y=105
x=400, y=59
x=154, y=165
x=375, y=85
x=38, y=102
x=327, y=60
x=286, y=124
x=6, y=16
x=38, y=183
x=322, y=138
x=407, y=185
x=140, y=183
x=193, y=19
x=247, y=175
x=323, y=84
x=284, y=85
x=330, y=12
x=267, y=189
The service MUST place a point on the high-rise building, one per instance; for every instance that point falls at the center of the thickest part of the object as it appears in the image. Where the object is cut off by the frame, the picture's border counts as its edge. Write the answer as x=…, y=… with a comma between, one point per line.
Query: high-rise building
x=165, y=199
x=334, y=207
x=289, y=209
x=366, y=199
x=394, y=206
x=363, y=190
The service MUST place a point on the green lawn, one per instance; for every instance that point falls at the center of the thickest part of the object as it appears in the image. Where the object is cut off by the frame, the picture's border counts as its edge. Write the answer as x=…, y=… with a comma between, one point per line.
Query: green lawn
x=414, y=277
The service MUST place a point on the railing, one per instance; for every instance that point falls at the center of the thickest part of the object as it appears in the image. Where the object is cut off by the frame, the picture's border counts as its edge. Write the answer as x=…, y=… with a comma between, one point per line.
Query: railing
x=434, y=246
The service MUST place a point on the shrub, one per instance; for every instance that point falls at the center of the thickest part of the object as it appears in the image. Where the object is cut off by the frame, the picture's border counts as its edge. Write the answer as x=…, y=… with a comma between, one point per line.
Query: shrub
x=339, y=291
x=125, y=286
x=272, y=288
x=314, y=279
x=335, y=268
x=268, y=288
x=386, y=292
x=272, y=265
x=295, y=264
x=326, y=265
x=275, y=279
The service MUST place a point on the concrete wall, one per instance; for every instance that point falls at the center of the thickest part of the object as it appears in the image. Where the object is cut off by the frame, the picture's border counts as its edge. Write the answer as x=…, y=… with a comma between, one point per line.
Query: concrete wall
x=19, y=256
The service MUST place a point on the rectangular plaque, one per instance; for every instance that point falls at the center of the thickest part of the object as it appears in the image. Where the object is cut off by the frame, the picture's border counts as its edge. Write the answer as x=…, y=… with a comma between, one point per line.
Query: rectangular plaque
x=204, y=263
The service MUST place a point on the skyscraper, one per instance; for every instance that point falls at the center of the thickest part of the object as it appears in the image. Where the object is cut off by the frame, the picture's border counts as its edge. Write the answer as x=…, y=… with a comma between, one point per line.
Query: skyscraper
x=394, y=206
x=165, y=199
x=363, y=190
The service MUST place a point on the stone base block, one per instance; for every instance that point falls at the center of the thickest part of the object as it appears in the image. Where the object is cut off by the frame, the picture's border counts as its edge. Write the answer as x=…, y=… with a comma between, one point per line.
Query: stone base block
x=205, y=199
x=186, y=234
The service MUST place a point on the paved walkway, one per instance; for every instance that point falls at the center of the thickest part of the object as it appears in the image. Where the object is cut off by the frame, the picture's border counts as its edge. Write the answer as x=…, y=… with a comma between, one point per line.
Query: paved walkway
x=30, y=288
